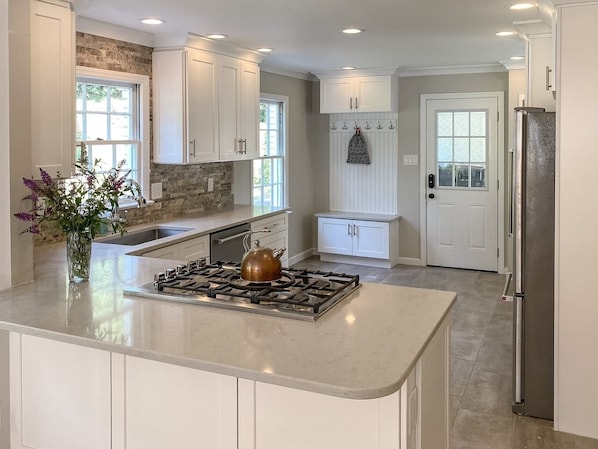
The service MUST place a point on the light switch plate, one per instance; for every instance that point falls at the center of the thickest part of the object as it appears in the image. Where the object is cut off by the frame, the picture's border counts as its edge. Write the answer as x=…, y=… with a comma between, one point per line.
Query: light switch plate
x=156, y=192
x=410, y=159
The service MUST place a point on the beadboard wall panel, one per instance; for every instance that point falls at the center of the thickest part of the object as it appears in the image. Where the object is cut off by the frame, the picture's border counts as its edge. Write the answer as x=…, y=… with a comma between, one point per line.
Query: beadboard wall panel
x=358, y=187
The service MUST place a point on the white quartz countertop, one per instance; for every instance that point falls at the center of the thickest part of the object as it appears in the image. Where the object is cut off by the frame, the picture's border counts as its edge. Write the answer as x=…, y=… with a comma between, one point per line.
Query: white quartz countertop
x=199, y=224
x=362, y=348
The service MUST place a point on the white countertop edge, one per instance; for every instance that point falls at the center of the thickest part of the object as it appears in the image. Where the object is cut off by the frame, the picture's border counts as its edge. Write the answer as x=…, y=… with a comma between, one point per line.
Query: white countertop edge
x=358, y=216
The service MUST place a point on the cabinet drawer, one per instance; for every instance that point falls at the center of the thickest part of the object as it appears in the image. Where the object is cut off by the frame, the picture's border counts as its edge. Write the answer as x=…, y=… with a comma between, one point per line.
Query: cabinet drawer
x=195, y=249
x=275, y=223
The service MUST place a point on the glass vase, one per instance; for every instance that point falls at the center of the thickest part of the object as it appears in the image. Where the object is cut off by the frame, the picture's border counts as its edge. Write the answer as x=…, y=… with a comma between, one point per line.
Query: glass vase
x=78, y=255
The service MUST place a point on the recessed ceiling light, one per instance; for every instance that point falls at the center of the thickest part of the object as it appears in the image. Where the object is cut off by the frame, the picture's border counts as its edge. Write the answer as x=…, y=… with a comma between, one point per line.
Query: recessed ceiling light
x=519, y=6
x=517, y=58
x=217, y=36
x=348, y=67
x=505, y=33
x=264, y=50
x=352, y=30
x=152, y=21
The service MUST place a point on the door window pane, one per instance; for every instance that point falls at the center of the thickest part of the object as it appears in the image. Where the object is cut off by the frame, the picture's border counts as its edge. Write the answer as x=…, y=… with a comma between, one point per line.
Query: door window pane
x=461, y=147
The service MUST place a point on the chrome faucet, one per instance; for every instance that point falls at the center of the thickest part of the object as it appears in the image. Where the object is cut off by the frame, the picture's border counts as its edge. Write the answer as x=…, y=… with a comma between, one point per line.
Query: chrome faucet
x=141, y=201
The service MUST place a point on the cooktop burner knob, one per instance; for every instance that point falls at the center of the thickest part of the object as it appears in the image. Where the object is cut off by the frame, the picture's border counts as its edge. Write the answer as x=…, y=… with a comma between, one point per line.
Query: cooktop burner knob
x=170, y=273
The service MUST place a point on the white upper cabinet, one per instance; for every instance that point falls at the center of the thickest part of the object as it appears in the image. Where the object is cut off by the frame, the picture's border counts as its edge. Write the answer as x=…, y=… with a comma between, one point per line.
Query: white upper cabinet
x=185, y=107
x=205, y=107
x=52, y=87
x=377, y=93
x=541, y=72
x=238, y=109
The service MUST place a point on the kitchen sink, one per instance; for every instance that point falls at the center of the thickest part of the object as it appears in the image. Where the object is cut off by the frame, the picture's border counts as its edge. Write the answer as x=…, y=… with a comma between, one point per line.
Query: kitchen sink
x=142, y=236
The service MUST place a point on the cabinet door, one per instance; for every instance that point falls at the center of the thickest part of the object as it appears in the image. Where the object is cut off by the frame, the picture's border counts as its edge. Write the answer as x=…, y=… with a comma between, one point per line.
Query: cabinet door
x=60, y=395
x=540, y=72
x=169, y=92
x=249, y=109
x=168, y=406
x=336, y=95
x=228, y=107
x=370, y=239
x=202, y=107
x=373, y=94
x=326, y=422
x=52, y=87
x=335, y=236
x=194, y=249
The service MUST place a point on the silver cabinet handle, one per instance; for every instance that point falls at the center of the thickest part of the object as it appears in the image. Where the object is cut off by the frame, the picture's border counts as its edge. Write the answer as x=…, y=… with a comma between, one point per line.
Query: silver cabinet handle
x=355, y=230
x=351, y=103
x=356, y=107
x=192, y=142
x=348, y=229
x=548, y=71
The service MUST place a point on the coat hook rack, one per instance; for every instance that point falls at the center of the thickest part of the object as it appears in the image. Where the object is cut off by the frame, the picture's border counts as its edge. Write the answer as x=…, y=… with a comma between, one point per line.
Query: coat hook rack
x=345, y=125
x=333, y=126
x=379, y=125
x=367, y=125
x=391, y=126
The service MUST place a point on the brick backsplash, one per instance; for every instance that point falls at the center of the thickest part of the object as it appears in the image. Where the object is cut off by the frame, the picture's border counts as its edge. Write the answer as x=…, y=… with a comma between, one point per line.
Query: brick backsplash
x=184, y=187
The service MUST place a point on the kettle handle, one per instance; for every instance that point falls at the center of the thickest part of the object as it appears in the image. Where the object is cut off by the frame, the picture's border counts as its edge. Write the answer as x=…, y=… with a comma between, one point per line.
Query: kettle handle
x=247, y=238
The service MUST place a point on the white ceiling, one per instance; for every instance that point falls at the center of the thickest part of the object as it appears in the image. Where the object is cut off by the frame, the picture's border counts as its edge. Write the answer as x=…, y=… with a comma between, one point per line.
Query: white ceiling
x=404, y=34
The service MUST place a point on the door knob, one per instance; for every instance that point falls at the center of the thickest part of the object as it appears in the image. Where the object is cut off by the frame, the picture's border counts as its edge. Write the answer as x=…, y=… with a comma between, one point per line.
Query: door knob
x=431, y=196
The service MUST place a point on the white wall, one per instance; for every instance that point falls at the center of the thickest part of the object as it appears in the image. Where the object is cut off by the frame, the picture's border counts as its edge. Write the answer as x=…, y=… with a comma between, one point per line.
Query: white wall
x=576, y=271
x=5, y=264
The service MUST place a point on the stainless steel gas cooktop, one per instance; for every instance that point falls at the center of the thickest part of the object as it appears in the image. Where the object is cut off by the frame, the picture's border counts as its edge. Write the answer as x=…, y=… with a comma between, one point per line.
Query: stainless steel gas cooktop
x=299, y=294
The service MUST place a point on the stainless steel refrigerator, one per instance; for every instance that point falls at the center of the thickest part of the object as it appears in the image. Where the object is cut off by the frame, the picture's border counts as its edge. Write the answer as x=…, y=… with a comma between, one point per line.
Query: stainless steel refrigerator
x=533, y=269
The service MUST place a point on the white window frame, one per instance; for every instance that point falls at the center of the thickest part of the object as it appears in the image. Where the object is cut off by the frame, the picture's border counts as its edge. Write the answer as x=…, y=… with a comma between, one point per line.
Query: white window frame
x=284, y=129
x=143, y=83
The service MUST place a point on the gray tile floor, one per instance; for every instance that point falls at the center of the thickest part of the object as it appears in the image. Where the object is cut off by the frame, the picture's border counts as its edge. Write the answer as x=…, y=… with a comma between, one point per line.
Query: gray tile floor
x=480, y=358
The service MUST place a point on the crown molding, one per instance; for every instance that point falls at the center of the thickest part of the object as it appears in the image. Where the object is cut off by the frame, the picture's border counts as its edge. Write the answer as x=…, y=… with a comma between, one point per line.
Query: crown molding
x=514, y=65
x=104, y=29
x=452, y=70
x=357, y=72
x=277, y=70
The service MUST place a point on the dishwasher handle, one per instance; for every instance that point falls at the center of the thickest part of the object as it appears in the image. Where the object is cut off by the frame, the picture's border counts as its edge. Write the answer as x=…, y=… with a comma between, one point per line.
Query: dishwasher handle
x=232, y=237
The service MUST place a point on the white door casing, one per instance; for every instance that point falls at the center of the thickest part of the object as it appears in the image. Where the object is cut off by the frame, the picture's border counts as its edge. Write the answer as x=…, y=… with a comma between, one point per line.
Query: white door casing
x=462, y=225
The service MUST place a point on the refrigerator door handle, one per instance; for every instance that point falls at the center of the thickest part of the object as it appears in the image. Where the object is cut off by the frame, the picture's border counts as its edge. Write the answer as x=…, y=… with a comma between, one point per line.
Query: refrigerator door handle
x=518, y=204
x=512, y=196
x=518, y=353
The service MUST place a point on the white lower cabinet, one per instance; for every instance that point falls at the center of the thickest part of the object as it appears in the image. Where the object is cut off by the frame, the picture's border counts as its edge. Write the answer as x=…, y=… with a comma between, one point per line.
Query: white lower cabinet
x=66, y=396
x=273, y=417
x=169, y=406
x=60, y=395
x=358, y=238
x=192, y=249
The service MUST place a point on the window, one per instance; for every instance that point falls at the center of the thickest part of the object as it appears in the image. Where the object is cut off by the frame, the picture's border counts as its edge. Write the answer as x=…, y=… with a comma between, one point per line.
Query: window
x=461, y=147
x=112, y=120
x=269, y=171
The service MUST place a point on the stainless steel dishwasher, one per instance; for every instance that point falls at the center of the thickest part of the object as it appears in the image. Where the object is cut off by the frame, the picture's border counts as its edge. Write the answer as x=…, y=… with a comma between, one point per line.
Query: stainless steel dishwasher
x=227, y=245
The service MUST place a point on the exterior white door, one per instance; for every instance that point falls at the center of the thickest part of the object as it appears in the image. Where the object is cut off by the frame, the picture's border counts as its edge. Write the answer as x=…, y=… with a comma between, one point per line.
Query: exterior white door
x=461, y=182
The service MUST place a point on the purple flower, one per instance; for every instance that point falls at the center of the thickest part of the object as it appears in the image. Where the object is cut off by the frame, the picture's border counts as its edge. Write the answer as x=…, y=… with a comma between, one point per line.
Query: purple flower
x=25, y=216
x=30, y=184
x=33, y=229
x=32, y=196
x=45, y=177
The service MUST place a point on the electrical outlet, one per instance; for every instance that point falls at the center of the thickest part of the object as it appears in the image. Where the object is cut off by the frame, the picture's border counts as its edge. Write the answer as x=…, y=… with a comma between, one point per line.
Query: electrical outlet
x=210, y=184
x=156, y=192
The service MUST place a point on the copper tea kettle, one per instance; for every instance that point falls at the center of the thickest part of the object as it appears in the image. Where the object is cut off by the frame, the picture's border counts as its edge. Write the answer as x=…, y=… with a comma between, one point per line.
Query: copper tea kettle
x=260, y=264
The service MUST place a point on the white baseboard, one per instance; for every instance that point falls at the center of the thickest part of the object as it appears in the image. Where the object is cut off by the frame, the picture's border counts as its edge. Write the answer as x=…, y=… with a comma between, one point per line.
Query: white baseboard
x=366, y=261
x=410, y=261
x=301, y=256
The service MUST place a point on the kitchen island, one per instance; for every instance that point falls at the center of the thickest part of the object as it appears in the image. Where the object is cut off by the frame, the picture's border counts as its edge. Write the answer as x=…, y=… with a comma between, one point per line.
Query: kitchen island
x=90, y=367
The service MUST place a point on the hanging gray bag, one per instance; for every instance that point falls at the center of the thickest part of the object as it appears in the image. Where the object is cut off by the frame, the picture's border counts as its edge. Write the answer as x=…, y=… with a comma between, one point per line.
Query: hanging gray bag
x=358, y=150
